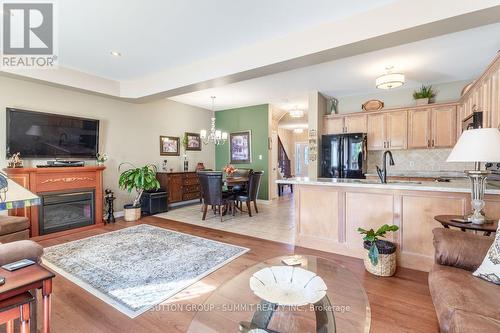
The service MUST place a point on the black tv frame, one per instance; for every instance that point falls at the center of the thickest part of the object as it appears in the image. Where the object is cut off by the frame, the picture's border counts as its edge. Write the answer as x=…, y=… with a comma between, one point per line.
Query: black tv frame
x=7, y=141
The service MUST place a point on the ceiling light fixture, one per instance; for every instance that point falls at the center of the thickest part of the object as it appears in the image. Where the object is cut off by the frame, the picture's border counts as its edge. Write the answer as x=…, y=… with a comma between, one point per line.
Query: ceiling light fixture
x=215, y=136
x=116, y=54
x=296, y=113
x=298, y=130
x=390, y=80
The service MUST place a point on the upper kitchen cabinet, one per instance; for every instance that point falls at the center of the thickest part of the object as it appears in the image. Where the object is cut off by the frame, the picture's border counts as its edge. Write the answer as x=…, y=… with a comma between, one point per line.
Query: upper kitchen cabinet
x=387, y=130
x=345, y=124
x=432, y=127
x=333, y=125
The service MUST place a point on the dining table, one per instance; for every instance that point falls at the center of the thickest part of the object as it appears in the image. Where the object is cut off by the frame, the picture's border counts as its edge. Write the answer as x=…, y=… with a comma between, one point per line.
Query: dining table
x=231, y=182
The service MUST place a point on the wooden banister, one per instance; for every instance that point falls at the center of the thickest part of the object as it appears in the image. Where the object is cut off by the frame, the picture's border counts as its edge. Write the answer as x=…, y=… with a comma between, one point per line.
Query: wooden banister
x=283, y=160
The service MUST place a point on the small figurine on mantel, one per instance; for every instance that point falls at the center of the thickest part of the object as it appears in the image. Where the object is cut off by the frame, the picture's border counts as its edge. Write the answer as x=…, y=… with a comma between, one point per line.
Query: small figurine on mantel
x=15, y=161
x=109, y=196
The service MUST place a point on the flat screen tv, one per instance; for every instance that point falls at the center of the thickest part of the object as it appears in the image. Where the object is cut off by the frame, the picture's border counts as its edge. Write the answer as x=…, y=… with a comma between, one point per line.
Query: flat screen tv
x=38, y=135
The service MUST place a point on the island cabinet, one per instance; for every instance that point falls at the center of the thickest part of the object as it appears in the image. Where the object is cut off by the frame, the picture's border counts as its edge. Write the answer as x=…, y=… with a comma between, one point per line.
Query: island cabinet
x=344, y=209
x=432, y=127
x=387, y=130
x=345, y=124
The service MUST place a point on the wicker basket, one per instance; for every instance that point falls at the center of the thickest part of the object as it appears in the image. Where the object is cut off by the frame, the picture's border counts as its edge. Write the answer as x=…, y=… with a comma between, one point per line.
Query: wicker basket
x=386, y=265
x=132, y=213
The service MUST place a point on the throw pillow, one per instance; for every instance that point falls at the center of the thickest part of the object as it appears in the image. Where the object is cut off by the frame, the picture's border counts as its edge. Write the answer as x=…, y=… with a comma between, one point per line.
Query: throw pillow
x=490, y=267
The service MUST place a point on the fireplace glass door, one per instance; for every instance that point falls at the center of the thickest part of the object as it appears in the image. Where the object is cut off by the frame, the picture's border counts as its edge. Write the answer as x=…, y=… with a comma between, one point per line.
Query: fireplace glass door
x=66, y=210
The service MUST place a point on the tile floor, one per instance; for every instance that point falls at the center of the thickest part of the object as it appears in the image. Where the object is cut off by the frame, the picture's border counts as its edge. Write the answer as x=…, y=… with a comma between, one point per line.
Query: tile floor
x=275, y=221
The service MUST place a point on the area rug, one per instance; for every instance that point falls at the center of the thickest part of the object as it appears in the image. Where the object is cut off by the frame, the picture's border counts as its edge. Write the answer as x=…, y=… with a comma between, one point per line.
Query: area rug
x=136, y=268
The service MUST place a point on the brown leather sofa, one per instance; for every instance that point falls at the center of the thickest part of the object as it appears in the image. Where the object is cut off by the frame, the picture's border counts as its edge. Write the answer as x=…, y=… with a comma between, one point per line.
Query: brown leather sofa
x=14, y=228
x=463, y=302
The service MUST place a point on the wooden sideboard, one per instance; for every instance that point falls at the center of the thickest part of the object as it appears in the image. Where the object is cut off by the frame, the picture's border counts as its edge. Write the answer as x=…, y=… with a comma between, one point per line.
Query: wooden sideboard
x=46, y=180
x=180, y=186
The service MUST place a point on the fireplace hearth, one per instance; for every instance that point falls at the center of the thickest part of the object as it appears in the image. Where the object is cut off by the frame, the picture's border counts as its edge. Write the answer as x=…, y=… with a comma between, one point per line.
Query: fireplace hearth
x=66, y=210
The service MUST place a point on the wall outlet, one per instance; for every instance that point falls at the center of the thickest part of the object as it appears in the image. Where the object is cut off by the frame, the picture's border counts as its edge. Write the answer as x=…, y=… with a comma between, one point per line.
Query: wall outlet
x=260, y=157
x=412, y=164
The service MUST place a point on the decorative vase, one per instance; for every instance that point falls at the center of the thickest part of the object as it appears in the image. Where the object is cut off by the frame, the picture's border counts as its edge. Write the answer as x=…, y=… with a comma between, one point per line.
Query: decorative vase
x=422, y=101
x=386, y=265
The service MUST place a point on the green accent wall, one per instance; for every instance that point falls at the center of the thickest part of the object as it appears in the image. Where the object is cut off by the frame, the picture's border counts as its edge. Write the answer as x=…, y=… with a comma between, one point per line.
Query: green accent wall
x=254, y=118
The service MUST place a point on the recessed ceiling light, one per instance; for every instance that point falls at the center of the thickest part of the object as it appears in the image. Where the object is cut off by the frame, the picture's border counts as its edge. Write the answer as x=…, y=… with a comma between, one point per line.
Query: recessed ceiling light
x=116, y=54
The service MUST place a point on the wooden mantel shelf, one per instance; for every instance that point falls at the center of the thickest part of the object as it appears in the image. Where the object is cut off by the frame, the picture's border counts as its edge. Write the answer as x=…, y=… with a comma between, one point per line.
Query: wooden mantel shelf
x=56, y=179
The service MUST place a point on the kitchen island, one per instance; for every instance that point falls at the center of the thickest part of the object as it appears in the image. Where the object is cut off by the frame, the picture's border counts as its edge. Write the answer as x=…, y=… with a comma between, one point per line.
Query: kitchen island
x=329, y=211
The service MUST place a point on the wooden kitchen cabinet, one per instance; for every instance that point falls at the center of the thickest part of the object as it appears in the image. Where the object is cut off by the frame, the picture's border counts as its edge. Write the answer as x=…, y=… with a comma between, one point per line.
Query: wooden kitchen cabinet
x=355, y=124
x=419, y=128
x=432, y=127
x=387, y=130
x=346, y=124
x=444, y=130
x=334, y=126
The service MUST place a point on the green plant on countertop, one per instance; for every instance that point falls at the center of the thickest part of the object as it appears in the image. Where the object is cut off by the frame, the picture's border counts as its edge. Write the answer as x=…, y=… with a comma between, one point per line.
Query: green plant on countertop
x=424, y=92
x=139, y=179
x=372, y=237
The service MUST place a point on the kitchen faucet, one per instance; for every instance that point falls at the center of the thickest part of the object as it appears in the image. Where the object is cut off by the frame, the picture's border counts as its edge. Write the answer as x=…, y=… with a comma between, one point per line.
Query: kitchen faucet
x=382, y=174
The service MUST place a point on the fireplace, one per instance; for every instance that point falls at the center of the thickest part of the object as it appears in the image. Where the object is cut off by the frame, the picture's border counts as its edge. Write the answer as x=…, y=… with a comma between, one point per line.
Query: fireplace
x=66, y=210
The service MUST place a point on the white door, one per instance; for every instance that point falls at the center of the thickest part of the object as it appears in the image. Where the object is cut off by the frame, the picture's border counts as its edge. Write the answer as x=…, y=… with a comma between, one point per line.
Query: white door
x=273, y=187
x=301, y=159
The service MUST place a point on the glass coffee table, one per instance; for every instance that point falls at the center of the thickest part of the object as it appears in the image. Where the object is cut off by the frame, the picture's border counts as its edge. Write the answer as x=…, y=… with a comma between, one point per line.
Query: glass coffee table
x=233, y=307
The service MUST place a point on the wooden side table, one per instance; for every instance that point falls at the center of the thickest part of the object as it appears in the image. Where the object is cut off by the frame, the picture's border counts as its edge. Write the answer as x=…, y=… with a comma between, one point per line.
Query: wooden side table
x=26, y=279
x=14, y=308
x=486, y=228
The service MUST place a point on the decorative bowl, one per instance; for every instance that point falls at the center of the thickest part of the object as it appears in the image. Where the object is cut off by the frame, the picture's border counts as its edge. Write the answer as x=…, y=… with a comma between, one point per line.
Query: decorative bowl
x=289, y=286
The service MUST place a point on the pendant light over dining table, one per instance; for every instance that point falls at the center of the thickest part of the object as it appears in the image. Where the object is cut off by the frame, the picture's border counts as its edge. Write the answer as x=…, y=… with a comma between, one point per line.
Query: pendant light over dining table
x=215, y=136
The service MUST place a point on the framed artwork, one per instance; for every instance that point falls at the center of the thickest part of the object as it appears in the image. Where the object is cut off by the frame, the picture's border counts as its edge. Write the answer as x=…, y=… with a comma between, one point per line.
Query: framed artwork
x=193, y=141
x=240, y=147
x=169, y=146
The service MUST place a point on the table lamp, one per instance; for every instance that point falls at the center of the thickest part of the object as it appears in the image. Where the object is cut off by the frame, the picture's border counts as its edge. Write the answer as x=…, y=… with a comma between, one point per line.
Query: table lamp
x=13, y=195
x=480, y=145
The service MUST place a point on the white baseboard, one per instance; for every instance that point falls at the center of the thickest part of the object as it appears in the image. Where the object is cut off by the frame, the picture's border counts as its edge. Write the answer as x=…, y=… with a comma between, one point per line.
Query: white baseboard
x=264, y=202
x=118, y=214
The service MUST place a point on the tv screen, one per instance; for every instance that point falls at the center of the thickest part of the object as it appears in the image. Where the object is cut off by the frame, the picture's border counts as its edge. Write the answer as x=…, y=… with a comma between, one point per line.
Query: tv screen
x=46, y=136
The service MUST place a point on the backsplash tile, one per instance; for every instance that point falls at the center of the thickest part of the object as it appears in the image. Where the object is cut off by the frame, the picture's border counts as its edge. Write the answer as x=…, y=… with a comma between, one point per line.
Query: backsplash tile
x=417, y=160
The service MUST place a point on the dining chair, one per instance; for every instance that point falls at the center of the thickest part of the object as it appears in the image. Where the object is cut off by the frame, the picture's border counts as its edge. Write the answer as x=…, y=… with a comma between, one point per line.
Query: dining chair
x=213, y=195
x=245, y=173
x=251, y=193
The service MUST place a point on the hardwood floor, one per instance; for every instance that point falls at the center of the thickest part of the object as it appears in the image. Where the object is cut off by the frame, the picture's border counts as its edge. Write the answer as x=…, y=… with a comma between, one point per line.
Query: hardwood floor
x=399, y=304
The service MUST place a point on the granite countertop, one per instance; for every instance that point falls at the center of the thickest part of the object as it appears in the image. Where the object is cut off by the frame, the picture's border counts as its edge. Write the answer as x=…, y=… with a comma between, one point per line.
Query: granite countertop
x=423, y=174
x=461, y=186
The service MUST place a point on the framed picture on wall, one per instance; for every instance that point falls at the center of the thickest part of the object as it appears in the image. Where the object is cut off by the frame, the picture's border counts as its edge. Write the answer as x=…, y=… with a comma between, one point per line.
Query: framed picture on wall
x=240, y=147
x=169, y=146
x=193, y=141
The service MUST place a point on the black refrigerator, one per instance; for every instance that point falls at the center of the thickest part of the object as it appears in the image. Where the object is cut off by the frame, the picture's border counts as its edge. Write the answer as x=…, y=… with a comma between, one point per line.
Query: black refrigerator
x=344, y=156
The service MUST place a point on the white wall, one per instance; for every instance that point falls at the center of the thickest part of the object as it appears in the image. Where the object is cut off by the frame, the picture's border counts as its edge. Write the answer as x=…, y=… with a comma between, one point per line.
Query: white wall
x=401, y=97
x=128, y=132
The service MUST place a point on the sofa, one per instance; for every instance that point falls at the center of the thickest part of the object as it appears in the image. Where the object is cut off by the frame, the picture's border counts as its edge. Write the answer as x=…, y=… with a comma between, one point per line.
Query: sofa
x=14, y=228
x=463, y=302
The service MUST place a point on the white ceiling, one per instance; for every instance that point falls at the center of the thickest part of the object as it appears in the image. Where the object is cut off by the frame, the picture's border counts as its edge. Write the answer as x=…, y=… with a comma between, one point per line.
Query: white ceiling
x=453, y=57
x=155, y=35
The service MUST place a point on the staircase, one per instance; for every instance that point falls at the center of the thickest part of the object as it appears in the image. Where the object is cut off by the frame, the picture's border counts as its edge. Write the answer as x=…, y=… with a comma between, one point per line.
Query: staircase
x=283, y=160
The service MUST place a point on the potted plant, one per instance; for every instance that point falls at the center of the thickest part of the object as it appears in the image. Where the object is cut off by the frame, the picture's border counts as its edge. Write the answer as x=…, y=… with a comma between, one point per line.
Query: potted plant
x=424, y=95
x=380, y=259
x=138, y=179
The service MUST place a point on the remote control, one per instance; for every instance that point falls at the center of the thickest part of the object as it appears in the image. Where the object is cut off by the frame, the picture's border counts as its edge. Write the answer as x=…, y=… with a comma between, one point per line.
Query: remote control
x=18, y=264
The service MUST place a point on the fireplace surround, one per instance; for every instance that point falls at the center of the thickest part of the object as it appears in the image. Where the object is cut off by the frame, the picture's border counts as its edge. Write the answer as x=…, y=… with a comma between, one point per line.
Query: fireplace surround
x=56, y=183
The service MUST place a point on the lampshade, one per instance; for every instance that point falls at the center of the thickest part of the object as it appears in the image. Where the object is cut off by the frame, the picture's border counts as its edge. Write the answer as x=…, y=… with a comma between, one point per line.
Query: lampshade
x=34, y=130
x=390, y=80
x=477, y=145
x=16, y=196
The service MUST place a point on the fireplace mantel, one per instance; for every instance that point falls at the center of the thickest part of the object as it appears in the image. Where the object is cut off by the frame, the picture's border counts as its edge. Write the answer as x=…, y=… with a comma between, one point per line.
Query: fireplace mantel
x=46, y=180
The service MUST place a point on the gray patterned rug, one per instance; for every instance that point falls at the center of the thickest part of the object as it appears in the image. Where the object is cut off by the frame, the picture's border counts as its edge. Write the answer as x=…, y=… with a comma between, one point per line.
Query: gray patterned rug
x=136, y=268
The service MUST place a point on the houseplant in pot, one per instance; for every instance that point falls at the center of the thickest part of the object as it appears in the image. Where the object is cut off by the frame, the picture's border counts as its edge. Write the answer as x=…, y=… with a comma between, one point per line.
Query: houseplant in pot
x=138, y=179
x=424, y=95
x=380, y=258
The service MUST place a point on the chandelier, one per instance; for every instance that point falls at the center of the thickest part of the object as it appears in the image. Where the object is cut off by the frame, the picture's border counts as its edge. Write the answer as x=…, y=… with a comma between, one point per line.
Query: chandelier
x=390, y=80
x=215, y=136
